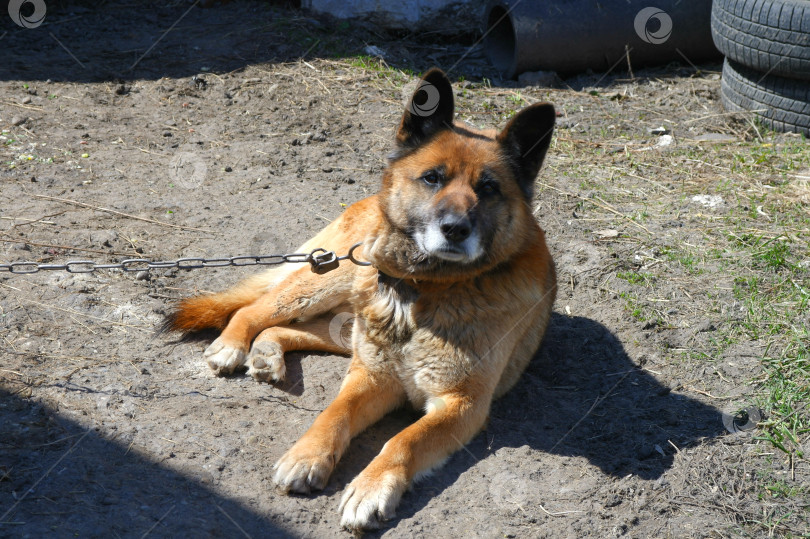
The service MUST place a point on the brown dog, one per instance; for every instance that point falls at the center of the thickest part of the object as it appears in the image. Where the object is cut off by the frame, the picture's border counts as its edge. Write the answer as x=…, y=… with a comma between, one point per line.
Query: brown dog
x=447, y=317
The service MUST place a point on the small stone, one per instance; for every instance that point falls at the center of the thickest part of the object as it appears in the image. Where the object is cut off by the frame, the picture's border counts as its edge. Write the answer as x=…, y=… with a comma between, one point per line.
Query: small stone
x=705, y=326
x=18, y=120
x=373, y=50
x=110, y=499
x=709, y=201
x=228, y=169
x=715, y=137
x=539, y=78
x=664, y=140
x=26, y=100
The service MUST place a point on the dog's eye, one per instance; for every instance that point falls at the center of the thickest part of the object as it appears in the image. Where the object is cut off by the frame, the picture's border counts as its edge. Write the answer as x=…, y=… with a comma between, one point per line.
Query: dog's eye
x=487, y=188
x=431, y=178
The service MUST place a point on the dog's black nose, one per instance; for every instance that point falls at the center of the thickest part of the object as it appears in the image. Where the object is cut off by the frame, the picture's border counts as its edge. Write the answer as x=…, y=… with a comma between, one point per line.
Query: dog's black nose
x=456, y=228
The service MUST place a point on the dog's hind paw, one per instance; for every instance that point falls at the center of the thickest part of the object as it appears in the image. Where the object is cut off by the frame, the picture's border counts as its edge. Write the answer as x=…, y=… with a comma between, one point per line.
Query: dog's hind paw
x=223, y=359
x=266, y=362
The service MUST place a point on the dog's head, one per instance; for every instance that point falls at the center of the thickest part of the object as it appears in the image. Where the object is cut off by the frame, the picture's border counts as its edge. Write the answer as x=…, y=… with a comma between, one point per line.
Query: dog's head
x=456, y=200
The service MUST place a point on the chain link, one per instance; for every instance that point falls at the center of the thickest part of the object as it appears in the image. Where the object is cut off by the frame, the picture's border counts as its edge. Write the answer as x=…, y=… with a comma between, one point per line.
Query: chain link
x=321, y=261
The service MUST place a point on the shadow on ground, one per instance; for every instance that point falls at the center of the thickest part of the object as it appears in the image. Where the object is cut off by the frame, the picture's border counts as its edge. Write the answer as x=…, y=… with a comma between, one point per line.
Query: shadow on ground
x=59, y=479
x=583, y=367
x=582, y=396
x=117, y=41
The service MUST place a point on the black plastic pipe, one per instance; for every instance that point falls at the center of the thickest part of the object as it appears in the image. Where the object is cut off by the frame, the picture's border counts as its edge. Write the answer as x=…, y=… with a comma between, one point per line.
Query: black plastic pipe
x=570, y=36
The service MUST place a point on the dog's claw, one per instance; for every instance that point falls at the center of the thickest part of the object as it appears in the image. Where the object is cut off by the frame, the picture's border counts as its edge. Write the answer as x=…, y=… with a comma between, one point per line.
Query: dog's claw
x=302, y=474
x=368, y=503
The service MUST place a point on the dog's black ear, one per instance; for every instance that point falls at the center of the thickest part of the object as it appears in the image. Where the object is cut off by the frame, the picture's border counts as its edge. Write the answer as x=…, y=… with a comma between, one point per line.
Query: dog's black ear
x=525, y=140
x=429, y=110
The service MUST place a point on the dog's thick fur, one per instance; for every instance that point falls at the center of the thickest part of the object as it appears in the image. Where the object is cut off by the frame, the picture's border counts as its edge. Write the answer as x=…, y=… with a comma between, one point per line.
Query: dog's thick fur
x=447, y=317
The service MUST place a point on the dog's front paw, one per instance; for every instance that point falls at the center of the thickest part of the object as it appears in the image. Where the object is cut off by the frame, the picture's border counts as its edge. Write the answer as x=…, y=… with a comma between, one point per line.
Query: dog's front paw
x=266, y=362
x=371, y=499
x=303, y=469
x=223, y=359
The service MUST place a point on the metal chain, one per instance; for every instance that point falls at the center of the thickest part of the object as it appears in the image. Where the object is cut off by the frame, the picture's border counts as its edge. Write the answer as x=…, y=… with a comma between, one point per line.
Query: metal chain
x=320, y=259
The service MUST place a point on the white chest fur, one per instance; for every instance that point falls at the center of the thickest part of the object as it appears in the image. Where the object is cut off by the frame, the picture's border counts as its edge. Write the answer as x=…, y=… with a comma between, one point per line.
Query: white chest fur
x=428, y=343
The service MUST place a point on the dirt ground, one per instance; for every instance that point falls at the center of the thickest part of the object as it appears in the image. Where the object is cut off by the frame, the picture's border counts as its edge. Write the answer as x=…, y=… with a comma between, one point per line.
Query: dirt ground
x=249, y=127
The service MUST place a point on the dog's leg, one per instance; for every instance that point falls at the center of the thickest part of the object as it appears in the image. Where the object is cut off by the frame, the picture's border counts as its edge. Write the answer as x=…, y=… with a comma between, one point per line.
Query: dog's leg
x=284, y=297
x=302, y=294
x=266, y=359
x=450, y=422
x=364, y=398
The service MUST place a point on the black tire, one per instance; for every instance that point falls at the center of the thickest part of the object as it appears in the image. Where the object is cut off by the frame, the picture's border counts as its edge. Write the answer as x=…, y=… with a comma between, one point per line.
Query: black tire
x=782, y=104
x=771, y=36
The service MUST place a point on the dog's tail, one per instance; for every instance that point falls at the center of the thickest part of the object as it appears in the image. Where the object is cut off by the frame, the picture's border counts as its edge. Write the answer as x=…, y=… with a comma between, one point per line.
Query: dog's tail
x=212, y=311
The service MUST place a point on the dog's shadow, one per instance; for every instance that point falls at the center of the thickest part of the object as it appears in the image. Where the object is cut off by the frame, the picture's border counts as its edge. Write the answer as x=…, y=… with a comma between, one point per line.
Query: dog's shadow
x=581, y=396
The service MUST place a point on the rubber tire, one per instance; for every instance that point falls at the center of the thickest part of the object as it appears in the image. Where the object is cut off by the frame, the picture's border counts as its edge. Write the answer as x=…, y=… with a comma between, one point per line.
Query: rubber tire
x=771, y=36
x=783, y=104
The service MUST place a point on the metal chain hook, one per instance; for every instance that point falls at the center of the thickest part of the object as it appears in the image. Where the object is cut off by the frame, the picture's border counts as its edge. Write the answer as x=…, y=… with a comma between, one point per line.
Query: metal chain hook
x=326, y=261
